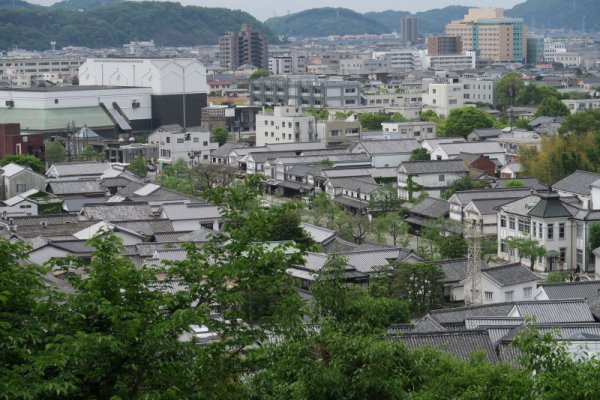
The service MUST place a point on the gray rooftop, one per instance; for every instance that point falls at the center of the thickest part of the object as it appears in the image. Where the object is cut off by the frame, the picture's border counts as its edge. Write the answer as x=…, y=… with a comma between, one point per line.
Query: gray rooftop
x=465, y=197
x=510, y=274
x=388, y=146
x=456, y=316
x=431, y=207
x=362, y=184
x=124, y=211
x=571, y=290
x=456, y=270
x=578, y=182
x=461, y=344
x=574, y=310
x=82, y=186
x=84, y=168
x=487, y=133
x=433, y=166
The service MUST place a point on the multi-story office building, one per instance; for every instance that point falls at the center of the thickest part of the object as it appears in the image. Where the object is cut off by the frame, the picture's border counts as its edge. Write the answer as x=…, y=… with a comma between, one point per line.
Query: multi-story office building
x=30, y=71
x=535, y=50
x=443, y=96
x=245, y=47
x=444, y=45
x=291, y=63
x=335, y=132
x=175, y=142
x=285, y=124
x=551, y=48
x=409, y=29
x=491, y=34
x=304, y=92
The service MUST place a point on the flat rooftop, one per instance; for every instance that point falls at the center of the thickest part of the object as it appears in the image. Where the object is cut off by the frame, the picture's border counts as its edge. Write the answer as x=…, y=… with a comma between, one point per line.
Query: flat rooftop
x=68, y=88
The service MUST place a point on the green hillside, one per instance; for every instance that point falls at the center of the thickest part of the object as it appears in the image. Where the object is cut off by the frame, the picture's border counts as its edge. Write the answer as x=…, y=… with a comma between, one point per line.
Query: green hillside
x=557, y=14
x=168, y=24
x=76, y=5
x=389, y=18
x=323, y=22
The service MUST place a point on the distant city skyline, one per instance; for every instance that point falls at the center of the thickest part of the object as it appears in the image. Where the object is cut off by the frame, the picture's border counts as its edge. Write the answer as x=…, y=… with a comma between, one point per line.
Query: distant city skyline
x=264, y=9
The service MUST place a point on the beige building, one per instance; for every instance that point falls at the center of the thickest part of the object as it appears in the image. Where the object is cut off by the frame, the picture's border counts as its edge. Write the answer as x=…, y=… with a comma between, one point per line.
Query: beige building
x=494, y=36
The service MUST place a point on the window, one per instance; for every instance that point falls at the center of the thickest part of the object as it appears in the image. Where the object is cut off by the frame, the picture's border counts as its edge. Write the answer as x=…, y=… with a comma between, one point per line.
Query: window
x=180, y=140
x=25, y=206
x=561, y=230
x=524, y=225
x=489, y=295
x=579, y=256
x=442, y=178
x=534, y=233
x=508, y=296
x=511, y=223
x=562, y=254
x=168, y=139
x=205, y=156
x=196, y=140
x=579, y=230
x=165, y=153
x=205, y=143
x=503, y=221
x=550, y=231
x=503, y=246
x=527, y=292
x=21, y=187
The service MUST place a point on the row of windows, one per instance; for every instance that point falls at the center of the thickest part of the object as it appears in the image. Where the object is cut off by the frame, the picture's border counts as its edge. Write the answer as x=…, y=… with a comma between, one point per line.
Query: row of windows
x=524, y=226
x=509, y=295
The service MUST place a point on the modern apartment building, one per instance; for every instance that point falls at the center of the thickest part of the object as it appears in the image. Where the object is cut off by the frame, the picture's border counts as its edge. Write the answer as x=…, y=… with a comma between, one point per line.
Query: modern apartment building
x=245, y=47
x=30, y=71
x=335, y=132
x=443, y=45
x=494, y=36
x=285, y=124
x=409, y=29
x=304, y=92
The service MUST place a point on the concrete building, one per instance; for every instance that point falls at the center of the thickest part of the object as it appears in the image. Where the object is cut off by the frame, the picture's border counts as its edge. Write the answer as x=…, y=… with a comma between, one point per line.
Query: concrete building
x=443, y=97
x=577, y=105
x=430, y=177
x=444, y=45
x=107, y=110
x=450, y=62
x=535, y=50
x=246, y=47
x=419, y=130
x=30, y=71
x=551, y=48
x=16, y=179
x=409, y=29
x=285, y=124
x=304, y=92
x=479, y=90
x=175, y=142
x=335, y=132
x=178, y=89
x=491, y=34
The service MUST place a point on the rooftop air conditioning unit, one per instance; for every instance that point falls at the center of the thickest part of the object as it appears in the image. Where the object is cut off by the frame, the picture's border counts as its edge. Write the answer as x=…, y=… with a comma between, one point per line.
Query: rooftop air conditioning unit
x=10, y=103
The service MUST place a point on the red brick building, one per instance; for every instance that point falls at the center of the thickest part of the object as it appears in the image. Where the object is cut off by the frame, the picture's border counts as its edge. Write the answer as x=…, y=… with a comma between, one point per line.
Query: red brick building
x=13, y=143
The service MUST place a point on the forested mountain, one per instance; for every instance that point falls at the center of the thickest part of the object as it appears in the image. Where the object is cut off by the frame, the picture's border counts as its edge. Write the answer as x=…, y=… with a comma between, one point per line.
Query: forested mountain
x=323, y=22
x=565, y=14
x=165, y=22
x=12, y=4
x=76, y=5
x=570, y=14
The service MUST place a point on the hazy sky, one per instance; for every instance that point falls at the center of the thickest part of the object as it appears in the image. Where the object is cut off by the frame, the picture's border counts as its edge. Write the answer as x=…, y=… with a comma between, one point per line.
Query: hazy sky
x=263, y=9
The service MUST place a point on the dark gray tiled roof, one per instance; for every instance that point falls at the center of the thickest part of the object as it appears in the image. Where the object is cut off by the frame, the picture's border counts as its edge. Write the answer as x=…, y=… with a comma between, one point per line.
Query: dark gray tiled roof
x=457, y=316
x=78, y=247
x=50, y=219
x=146, y=227
x=53, y=230
x=81, y=186
x=431, y=207
x=74, y=205
x=510, y=274
x=428, y=324
x=461, y=344
x=554, y=310
x=396, y=329
x=476, y=322
x=165, y=237
x=487, y=133
x=224, y=150
x=364, y=184
x=549, y=206
x=561, y=330
x=578, y=182
x=456, y=270
x=571, y=290
x=125, y=211
x=465, y=197
x=488, y=207
x=389, y=146
x=434, y=166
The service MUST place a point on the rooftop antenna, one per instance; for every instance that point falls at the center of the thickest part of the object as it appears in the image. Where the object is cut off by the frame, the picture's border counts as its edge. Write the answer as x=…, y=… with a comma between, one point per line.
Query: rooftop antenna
x=474, y=235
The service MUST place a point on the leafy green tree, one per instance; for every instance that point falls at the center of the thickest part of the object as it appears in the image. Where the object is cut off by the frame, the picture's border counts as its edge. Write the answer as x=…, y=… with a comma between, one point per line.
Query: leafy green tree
x=394, y=225
x=534, y=94
x=352, y=227
x=25, y=160
x=419, y=154
x=90, y=154
x=557, y=277
x=139, y=166
x=259, y=73
x=373, y=121
x=210, y=176
x=397, y=117
x=429, y=115
x=323, y=113
x=220, y=134
x=462, y=121
x=177, y=176
x=421, y=284
x=323, y=210
x=528, y=248
x=55, y=152
x=286, y=226
x=453, y=246
x=509, y=88
x=384, y=200
x=581, y=123
x=462, y=184
x=552, y=107
x=522, y=123
x=594, y=236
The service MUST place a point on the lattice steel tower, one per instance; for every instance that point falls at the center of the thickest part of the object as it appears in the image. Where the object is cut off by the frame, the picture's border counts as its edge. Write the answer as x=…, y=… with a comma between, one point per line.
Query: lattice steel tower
x=474, y=235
